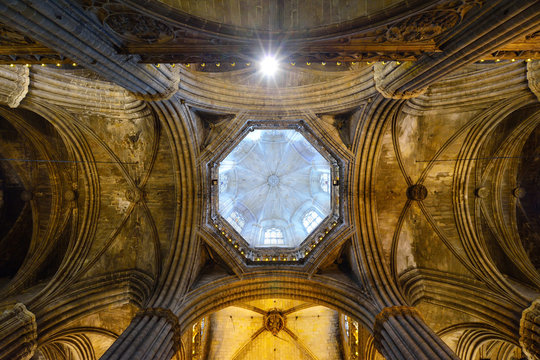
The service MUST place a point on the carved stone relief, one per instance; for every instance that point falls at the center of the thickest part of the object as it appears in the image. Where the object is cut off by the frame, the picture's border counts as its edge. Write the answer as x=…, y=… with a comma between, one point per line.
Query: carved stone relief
x=138, y=27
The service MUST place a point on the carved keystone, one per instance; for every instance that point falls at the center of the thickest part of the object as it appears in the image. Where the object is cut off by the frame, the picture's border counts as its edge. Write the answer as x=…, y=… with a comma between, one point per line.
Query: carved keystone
x=417, y=192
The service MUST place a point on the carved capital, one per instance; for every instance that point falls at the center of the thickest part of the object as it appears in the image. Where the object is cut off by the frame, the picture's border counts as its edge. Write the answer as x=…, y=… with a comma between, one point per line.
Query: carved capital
x=529, y=330
x=386, y=75
x=14, y=81
x=533, y=77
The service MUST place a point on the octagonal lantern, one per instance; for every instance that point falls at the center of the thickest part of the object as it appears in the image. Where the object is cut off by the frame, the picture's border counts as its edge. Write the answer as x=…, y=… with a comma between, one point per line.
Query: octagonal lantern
x=274, y=190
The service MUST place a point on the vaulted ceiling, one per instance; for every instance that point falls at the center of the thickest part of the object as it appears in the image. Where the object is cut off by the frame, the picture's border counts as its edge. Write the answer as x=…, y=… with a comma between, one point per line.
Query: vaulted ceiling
x=108, y=241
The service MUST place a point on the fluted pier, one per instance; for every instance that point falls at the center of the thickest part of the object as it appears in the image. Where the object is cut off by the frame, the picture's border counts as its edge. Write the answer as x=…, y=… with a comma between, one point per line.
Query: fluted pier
x=153, y=334
x=400, y=333
x=529, y=331
x=18, y=331
x=14, y=82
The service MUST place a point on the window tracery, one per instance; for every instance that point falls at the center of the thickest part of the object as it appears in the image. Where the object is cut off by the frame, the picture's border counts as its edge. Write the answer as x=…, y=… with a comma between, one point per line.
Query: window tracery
x=311, y=220
x=273, y=236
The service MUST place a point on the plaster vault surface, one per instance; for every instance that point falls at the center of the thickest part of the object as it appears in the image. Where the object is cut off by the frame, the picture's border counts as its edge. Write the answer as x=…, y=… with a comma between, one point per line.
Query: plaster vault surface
x=274, y=188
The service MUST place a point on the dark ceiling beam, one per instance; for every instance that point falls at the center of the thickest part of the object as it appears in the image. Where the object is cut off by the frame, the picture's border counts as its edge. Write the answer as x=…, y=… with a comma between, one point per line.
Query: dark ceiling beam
x=64, y=27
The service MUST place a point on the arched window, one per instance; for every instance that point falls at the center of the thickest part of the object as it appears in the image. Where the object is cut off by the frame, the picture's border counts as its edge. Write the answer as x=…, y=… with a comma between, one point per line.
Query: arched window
x=346, y=322
x=325, y=182
x=237, y=221
x=310, y=220
x=273, y=236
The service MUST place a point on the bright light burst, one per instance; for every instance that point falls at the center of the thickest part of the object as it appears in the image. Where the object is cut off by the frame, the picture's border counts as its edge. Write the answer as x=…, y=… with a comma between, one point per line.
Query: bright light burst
x=268, y=66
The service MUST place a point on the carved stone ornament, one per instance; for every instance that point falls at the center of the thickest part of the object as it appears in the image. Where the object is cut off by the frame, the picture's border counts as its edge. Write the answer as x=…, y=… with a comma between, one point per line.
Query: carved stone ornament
x=274, y=321
x=429, y=24
x=423, y=26
x=417, y=192
x=481, y=192
x=137, y=27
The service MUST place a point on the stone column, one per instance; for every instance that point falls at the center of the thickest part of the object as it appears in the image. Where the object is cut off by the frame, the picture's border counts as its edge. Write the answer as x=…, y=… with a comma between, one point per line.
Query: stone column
x=400, y=333
x=14, y=82
x=153, y=334
x=533, y=77
x=529, y=331
x=18, y=333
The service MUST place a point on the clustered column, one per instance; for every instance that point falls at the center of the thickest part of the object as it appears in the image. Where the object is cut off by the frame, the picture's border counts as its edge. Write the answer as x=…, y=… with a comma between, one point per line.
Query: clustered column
x=400, y=333
x=154, y=333
x=18, y=331
x=529, y=331
x=14, y=82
